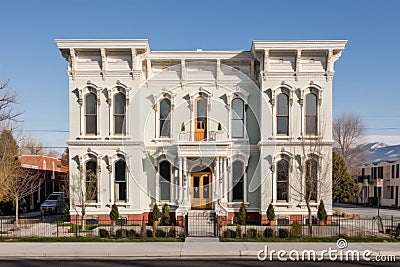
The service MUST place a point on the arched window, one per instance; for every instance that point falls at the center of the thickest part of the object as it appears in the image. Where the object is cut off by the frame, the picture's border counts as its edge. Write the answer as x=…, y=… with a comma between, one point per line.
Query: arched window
x=238, y=181
x=282, y=181
x=237, y=118
x=91, y=180
x=119, y=113
x=282, y=114
x=311, y=179
x=165, y=118
x=311, y=114
x=120, y=181
x=165, y=180
x=200, y=132
x=91, y=113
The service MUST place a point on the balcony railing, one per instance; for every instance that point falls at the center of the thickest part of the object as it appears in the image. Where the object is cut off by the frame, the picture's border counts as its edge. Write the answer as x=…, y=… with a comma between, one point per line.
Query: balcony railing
x=208, y=136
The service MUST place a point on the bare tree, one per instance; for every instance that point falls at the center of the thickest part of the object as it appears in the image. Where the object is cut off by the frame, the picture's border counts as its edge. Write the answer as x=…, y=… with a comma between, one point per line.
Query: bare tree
x=32, y=146
x=8, y=100
x=311, y=173
x=348, y=129
x=26, y=182
x=83, y=192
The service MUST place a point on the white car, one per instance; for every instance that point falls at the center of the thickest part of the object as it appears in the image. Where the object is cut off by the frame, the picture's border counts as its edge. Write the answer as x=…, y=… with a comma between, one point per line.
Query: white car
x=54, y=204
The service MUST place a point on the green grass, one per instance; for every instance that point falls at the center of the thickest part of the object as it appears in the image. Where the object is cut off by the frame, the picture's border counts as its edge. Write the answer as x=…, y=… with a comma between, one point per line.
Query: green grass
x=324, y=239
x=94, y=239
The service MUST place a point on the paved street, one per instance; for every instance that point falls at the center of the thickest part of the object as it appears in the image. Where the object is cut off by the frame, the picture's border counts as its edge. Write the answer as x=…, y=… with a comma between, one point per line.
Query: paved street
x=174, y=262
x=366, y=211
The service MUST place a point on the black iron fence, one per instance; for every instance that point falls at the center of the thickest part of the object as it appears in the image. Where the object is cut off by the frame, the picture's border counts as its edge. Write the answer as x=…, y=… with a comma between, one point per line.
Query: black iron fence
x=55, y=227
x=336, y=227
x=210, y=225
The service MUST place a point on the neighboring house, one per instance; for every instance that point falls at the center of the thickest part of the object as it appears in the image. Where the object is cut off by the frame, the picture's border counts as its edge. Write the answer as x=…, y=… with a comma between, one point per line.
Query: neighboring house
x=388, y=194
x=199, y=129
x=54, y=177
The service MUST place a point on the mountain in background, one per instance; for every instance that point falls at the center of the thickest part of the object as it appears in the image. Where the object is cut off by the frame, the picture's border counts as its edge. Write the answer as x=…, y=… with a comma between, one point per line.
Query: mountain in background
x=382, y=152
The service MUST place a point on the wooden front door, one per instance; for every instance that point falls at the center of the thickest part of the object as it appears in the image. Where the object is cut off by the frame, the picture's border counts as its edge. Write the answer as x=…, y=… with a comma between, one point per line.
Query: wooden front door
x=201, y=190
x=200, y=122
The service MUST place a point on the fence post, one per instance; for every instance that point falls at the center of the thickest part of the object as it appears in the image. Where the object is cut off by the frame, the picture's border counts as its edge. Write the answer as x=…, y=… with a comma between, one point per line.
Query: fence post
x=186, y=225
x=339, y=224
x=1, y=228
x=57, y=226
x=391, y=228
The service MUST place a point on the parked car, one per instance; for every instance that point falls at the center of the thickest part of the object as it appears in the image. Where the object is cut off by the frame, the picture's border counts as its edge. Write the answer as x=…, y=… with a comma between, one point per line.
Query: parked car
x=54, y=204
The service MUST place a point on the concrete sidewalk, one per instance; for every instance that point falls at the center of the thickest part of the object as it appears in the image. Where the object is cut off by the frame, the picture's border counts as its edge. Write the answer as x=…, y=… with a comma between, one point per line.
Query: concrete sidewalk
x=192, y=248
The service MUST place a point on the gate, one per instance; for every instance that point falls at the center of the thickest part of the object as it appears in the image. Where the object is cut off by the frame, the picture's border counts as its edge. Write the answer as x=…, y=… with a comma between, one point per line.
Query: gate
x=201, y=224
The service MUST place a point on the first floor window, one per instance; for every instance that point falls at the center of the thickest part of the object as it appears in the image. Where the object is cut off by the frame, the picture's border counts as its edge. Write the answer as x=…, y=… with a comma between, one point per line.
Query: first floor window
x=165, y=180
x=282, y=181
x=238, y=181
x=91, y=181
x=311, y=179
x=120, y=181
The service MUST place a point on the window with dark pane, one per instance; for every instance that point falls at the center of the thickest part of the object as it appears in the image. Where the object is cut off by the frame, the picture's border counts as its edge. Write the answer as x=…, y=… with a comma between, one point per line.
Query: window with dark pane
x=165, y=180
x=206, y=188
x=311, y=179
x=91, y=113
x=120, y=181
x=282, y=181
x=237, y=118
x=196, y=186
x=165, y=118
x=119, y=113
x=91, y=180
x=282, y=114
x=238, y=181
x=311, y=114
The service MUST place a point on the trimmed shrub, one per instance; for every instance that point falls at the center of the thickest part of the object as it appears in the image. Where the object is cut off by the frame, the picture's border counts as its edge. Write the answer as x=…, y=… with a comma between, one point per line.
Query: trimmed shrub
x=165, y=219
x=296, y=230
x=121, y=233
x=66, y=216
x=229, y=233
x=160, y=233
x=251, y=233
x=283, y=233
x=238, y=231
x=242, y=215
x=268, y=232
x=149, y=233
x=322, y=216
x=156, y=213
x=132, y=233
x=103, y=233
x=172, y=232
x=114, y=213
x=270, y=213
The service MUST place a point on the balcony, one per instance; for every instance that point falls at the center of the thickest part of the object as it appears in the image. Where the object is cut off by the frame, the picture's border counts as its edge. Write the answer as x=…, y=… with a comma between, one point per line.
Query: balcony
x=209, y=136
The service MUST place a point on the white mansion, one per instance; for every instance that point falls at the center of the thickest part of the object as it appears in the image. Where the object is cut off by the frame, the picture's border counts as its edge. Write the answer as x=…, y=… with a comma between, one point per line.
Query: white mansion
x=201, y=129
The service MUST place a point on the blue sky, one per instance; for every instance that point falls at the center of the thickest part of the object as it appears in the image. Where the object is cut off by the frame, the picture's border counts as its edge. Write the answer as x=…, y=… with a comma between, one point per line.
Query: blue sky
x=366, y=75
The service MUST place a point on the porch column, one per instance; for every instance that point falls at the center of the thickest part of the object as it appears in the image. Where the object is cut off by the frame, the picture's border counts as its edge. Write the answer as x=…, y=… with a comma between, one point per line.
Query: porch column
x=187, y=184
x=180, y=182
x=230, y=178
x=225, y=180
x=220, y=182
x=216, y=182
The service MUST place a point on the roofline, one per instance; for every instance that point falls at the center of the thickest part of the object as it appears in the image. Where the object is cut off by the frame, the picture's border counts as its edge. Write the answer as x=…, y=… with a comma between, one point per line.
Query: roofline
x=298, y=44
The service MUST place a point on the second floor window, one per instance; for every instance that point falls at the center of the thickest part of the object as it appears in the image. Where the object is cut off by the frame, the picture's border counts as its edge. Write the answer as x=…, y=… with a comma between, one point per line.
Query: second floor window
x=165, y=118
x=237, y=118
x=91, y=114
x=119, y=113
x=311, y=114
x=282, y=114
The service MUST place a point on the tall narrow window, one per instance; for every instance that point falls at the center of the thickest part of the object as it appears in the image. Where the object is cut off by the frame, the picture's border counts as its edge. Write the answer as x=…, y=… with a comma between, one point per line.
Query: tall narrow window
x=282, y=114
x=311, y=179
x=238, y=181
x=200, y=130
x=311, y=114
x=119, y=113
x=237, y=118
x=165, y=180
x=282, y=181
x=91, y=180
x=120, y=181
x=165, y=118
x=91, y=114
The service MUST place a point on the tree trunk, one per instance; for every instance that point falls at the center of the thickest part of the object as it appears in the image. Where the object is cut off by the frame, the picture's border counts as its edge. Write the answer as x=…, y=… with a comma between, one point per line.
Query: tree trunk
x=309, y=219
x=83, y=221
x=16, y=211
